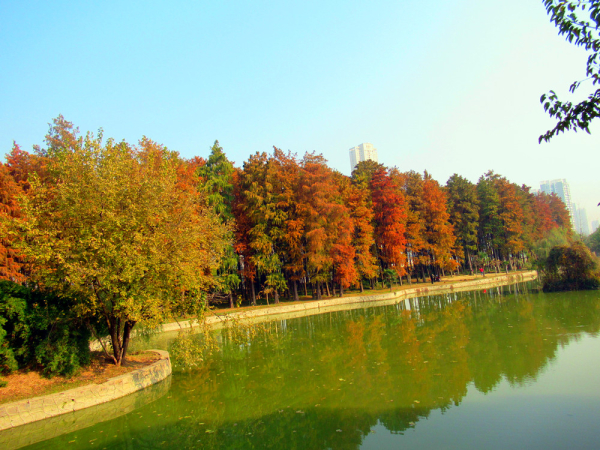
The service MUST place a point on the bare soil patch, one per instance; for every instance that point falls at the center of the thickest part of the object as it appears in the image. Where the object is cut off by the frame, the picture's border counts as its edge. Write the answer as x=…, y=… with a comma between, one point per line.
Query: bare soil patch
x=24, y=384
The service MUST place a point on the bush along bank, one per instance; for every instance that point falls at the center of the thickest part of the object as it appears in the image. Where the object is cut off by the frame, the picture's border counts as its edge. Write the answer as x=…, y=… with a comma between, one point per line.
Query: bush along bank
x=38, y=330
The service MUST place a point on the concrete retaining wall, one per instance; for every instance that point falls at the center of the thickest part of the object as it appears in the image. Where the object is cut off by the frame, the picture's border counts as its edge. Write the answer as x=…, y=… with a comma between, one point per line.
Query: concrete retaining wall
x=38, y=408
x=31, y=433
x=392, y=297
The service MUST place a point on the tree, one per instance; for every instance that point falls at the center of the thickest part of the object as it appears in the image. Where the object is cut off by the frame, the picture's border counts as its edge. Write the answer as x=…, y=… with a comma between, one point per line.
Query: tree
x=569, y=268
x=113, y=229
x=593, y=241
x=11, y=263
x=490, y=224
x=463, y=206
x=411, y=184
x=389, y=209
x=356, y=198
x=259, y=206
x=439, y=233
x=321, y=213
x=579, y=22
x=216, y=181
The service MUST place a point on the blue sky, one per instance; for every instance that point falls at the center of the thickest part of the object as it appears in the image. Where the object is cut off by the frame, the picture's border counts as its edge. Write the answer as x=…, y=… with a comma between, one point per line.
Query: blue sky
x=447, y=87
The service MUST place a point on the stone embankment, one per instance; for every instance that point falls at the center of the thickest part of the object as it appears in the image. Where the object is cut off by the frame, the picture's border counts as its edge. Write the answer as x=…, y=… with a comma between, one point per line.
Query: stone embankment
x=318, y=306
x=38, y=408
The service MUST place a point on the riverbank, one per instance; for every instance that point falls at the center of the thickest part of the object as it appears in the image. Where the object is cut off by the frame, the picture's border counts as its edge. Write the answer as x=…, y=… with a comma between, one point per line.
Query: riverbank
x=25, y=411
x=34, y=409
x=399, y=293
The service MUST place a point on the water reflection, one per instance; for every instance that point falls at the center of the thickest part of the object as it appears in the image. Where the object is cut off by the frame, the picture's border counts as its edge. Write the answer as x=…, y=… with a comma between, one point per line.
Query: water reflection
x=326, y=381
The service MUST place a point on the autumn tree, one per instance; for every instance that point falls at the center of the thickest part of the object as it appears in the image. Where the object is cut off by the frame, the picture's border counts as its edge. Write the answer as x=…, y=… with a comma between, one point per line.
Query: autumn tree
x=438, y=232
x=260, y=206
x=285, y=172
x=389, y=208
x=11, y=262
x=511, y=217
x=363, y=172
x=542, y=216
x=113, y=230
x=242, y=242
x=560, y=213
x=411, y=184
x=343, y=229
x=357, y=199
x=321, y=215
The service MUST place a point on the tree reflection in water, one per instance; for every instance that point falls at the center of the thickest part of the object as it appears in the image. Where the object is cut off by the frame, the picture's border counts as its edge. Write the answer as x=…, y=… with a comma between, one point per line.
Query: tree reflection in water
x=325, y=381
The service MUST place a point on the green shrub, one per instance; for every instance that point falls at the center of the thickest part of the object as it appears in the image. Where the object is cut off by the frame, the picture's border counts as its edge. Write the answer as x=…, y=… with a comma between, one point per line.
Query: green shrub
x=570, y=267
x=39, y=330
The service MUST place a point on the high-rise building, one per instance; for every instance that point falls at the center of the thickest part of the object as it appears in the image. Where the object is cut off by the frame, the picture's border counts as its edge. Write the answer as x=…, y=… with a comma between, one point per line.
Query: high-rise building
x=581, y=221
x=561, y=188
x=362, y=152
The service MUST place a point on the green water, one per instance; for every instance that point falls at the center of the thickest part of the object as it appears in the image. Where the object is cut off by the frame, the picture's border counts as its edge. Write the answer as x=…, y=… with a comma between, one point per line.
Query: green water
x=475, y=370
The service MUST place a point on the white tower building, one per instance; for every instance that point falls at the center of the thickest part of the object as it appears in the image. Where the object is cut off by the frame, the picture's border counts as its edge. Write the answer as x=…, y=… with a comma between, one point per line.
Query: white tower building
x=362, y=152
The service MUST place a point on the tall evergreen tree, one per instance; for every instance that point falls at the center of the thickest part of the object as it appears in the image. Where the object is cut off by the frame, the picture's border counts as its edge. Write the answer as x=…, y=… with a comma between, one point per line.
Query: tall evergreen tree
x=463, y=206
x=216, y=181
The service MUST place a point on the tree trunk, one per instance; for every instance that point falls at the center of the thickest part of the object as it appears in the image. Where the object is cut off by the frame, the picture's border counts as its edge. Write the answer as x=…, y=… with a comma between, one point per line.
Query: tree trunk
x=276, y=296
x=318, y=290
x=126, y=335
x=362, y=288
x=295, y=284
x=230, y=300
x=253, y=293
x=119, y=342
x=327, y=288
x=342, y=290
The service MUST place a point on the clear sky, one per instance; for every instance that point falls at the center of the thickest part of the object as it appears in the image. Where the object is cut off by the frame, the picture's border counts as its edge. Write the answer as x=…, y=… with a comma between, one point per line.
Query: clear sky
x=447, y=87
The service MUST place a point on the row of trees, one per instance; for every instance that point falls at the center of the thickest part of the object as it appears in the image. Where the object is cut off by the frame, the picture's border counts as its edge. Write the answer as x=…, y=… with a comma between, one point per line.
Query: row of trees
x=136, y=234
x=300, y=225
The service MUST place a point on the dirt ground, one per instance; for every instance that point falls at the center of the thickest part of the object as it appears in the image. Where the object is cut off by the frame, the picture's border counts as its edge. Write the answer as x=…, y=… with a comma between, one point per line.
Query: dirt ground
x=27, y=384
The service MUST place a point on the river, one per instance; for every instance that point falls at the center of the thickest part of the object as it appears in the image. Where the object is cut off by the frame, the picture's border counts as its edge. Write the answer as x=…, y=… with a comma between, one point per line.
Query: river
x=498, y=368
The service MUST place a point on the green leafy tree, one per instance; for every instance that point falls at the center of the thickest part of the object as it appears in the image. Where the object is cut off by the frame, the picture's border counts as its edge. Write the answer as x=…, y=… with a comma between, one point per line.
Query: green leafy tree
x=593, y=241
x=114, y=229
x=463, y=206
x=579, y=22
x=490, y=224
x=216, y=181
x=569, y=268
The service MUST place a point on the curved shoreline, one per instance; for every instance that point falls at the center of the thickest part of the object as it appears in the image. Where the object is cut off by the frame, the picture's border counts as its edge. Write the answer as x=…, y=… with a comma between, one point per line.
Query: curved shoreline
x=34, y=409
